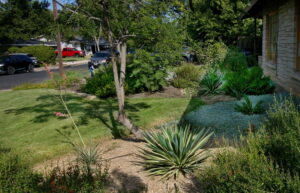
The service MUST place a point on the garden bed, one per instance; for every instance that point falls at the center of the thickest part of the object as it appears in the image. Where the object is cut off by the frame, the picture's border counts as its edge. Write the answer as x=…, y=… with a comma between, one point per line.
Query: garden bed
x=225, y=121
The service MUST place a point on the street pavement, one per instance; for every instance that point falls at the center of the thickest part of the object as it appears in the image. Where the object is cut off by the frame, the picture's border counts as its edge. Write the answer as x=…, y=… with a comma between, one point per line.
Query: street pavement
x=10, y=81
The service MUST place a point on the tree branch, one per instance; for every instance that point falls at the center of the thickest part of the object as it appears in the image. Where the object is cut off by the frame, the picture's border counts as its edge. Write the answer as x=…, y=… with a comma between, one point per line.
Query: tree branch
x=89, y=16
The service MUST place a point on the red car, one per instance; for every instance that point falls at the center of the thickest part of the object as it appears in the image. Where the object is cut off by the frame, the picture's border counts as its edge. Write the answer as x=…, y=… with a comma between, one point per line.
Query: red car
x=71, y=52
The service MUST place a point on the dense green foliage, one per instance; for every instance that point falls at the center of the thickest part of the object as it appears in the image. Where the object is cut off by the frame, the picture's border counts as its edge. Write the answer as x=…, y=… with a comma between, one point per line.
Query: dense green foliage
x=146, y=72
x=250, y=81
x=211, y=83
x=102, y=84
x=21, y=19
x=246, y=171
x=218, y=20
x=234, y=60
x=209, y=53
x=248, y=108
x=44, y=54
x=267, y=161
x=282, y=135
x=174, y=151
x=15, y=176
x=187, y=75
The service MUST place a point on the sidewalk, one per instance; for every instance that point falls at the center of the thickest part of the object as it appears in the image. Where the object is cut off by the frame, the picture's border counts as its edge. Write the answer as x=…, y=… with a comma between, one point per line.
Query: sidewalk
x=66, y=64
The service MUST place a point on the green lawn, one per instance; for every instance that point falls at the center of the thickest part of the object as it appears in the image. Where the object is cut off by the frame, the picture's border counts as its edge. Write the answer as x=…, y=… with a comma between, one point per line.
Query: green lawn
x=29, y=126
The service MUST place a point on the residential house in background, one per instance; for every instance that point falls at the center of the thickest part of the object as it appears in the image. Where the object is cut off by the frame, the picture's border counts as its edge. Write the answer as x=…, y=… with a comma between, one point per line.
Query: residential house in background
x=281, y=40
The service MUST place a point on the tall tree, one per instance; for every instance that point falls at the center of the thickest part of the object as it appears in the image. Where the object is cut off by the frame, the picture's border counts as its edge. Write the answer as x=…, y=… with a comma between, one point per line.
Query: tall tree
x=24, y=19
x=121, y=20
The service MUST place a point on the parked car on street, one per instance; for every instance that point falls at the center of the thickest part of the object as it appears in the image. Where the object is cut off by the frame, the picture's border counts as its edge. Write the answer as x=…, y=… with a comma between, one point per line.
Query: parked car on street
x=15, y=62
x=100, y=58
x=34, y=59
x=71, y=52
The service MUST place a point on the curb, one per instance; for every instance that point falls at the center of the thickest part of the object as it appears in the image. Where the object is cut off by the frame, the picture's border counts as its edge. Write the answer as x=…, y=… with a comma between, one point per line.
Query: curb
x=66, y=64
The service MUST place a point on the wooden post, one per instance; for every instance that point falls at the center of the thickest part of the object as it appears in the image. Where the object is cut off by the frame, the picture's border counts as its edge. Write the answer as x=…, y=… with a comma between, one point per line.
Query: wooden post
x=58, y=41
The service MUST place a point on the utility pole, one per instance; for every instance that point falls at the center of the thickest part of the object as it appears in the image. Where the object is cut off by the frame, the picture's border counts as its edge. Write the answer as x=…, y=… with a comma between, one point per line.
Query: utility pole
x=58, y=41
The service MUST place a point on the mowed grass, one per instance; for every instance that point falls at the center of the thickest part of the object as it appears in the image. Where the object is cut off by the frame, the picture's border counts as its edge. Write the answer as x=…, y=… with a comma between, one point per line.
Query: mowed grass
x=29, y=126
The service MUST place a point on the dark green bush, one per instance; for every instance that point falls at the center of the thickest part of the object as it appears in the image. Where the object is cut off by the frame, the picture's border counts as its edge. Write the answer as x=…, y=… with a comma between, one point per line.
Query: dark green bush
x=211, y=83
x=15, y=176
x=246, y=171
x=44, y=54
x=250, y=81
x=187, y=76
x=102, y=84
x=235, y=60
x=248, y=108
x=209, y=53
x=74, y=178
x=282, y=130
x=146, y=72
x=267, y=161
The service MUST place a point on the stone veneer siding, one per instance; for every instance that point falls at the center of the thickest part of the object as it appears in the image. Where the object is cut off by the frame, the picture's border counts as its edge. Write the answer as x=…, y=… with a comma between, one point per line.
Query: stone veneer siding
x=284, y=72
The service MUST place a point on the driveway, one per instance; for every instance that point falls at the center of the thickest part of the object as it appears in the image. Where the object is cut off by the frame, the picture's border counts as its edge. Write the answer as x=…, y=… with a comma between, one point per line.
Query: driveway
x=10, y=81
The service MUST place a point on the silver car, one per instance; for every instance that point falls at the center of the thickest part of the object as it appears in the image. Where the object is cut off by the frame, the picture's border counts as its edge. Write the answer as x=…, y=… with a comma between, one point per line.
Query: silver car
x=100, y=58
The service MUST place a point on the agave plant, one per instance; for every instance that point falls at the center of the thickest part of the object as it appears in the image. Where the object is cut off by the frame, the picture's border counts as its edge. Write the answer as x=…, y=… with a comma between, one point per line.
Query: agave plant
x=248, y=108
x=175, y=151
x=211, y=83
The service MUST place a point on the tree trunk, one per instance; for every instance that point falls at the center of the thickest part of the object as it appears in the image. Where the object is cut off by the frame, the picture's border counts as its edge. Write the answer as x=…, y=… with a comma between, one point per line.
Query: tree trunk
x=58, y=41
x=97, y=41
x=119, y=84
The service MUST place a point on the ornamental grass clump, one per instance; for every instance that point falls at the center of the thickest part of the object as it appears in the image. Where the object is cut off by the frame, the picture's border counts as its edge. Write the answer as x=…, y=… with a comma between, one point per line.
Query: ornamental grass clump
x=211, y=83
x=174, y=151
x=248, y=108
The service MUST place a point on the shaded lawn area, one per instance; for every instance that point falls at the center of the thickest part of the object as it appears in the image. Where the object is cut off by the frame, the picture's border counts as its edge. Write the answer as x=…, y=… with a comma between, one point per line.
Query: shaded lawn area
x=29, y=126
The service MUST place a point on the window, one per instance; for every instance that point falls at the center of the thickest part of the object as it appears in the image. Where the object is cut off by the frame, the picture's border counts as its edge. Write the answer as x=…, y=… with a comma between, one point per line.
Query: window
x=272, y=37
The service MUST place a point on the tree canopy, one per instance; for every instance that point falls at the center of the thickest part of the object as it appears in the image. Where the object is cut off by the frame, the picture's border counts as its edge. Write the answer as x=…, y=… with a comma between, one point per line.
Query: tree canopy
x=24, y=19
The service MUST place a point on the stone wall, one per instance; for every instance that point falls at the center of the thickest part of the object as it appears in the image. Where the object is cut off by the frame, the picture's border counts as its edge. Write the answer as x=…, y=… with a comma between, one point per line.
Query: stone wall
x=283, y=72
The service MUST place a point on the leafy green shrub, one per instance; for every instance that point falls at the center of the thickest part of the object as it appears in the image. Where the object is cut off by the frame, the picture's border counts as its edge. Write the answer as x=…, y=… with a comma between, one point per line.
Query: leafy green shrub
x=234, y=61
x=210, y=53
x=250, y=81
x=282, y=131
x=146, y=72
x=211, y=83
x=102, y=84
x=245, y=171
x=187, y=76
x=74, y=178
x=174, y=151
x=44, y=54
x=248, y=108
x=15, y=176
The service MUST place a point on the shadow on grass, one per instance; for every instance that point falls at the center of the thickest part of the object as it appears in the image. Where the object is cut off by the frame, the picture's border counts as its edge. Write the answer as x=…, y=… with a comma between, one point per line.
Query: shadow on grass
x=104, y=110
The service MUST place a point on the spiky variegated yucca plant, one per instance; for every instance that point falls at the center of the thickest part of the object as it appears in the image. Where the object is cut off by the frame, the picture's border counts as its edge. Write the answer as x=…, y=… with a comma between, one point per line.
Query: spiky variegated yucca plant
x=175, y=151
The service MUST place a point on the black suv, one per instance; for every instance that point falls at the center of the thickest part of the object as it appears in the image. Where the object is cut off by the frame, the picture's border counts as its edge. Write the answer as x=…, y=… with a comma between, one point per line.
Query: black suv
x=15, y=62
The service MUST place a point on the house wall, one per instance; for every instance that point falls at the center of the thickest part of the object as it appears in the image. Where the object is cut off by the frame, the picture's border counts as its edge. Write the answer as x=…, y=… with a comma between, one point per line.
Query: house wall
x=283, y=73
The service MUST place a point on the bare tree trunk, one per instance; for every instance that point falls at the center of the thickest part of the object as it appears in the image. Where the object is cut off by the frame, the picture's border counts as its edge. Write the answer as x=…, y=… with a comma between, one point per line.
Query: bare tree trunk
x=119, y=84
x=122, y=117
x=97, y=41
x=58, y=41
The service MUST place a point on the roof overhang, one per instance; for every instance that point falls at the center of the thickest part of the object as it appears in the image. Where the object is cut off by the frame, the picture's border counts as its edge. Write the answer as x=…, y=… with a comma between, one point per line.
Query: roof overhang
x=256, y=8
